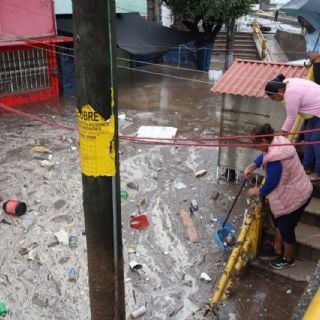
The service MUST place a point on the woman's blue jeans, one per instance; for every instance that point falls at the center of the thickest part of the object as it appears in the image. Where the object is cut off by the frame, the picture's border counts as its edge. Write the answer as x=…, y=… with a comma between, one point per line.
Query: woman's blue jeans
x=311, y=158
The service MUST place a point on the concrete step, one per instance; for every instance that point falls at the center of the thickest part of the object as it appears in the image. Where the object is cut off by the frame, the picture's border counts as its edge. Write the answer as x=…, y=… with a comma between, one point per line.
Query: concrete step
x=308, y=242
x=311, y=214
x=301, y=272
x=239, y=55
x=222, y=46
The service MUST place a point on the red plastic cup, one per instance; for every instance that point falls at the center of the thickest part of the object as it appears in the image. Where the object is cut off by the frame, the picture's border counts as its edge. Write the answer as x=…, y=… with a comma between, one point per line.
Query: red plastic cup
x=139, y=222
x=14, y=207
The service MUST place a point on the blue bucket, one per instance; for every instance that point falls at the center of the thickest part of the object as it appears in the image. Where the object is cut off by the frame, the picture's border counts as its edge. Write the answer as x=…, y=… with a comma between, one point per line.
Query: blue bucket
x=220, y=236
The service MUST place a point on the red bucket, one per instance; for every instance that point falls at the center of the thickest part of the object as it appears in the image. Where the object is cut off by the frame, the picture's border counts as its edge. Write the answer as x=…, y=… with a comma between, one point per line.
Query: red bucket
x=14, y=207
x=139, y=222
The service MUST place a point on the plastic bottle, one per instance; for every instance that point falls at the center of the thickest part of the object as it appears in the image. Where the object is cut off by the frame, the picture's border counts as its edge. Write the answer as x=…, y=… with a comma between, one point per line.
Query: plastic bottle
x=73, y=242
x=3, y=309
x=139, y=312
x=73, y=275
x=194, y=205
x=124, y=195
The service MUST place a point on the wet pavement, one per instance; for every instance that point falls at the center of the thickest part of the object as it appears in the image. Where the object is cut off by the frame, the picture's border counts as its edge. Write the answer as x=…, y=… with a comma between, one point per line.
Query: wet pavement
x=169, y=282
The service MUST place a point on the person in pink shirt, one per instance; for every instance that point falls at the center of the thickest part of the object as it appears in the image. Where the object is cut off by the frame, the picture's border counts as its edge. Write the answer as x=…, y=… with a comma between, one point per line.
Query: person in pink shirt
x=301, y=97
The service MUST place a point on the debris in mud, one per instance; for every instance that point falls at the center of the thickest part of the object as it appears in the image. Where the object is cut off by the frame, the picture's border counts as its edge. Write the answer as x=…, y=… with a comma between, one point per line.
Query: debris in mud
x=205, y=277
x=134, y=265
x=47, y=164
x=133, y=186
x=63, y=237
x=139, y=312
x=179, y=186
x=215, y=195
x=201, y=173
x=139, y=222
x=14, y=207
x=40, y=149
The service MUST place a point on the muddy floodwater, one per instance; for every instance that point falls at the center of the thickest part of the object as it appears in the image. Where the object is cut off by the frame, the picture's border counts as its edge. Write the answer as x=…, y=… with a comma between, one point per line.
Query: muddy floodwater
x=160, y=181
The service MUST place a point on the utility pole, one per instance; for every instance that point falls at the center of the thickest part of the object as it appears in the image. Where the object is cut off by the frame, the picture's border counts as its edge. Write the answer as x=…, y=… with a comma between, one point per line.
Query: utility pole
x=94, y=41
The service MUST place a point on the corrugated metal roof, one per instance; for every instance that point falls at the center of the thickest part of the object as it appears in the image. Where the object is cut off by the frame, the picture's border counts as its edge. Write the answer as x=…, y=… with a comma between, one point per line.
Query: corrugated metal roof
x=249, y=77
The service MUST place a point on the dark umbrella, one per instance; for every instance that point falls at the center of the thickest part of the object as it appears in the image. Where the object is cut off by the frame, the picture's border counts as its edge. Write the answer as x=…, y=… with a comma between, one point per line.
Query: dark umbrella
x=308, y=9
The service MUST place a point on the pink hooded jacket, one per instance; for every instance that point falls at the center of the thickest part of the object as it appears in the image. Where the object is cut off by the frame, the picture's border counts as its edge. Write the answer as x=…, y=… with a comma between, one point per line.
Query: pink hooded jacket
x=294, y=188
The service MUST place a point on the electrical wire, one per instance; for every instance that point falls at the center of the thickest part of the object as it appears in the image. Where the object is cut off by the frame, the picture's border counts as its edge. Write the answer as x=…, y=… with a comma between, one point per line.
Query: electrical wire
x=181, y=141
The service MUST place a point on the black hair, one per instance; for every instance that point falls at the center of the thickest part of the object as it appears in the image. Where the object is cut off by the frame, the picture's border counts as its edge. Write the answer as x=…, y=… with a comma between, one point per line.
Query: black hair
x=262, y=129
x=273, y=86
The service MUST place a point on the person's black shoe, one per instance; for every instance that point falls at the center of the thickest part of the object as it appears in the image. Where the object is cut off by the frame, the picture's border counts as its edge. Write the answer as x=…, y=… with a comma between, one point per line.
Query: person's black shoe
x=281, y=263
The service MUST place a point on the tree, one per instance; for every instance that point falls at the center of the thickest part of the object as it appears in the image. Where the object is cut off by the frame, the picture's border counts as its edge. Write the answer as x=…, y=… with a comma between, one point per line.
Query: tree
x=211, y=13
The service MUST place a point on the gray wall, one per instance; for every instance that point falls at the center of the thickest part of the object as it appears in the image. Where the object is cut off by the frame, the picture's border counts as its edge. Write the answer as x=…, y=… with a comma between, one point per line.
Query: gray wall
x=292, y=44
x=240, y=115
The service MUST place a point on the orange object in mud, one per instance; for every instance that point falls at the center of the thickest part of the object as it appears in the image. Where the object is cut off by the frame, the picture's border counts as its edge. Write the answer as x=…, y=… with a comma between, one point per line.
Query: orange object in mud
x=139, y=222
x=14, y=207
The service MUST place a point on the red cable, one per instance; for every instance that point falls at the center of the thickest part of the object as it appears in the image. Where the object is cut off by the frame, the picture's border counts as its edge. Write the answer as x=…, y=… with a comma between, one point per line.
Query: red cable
x=164, y=141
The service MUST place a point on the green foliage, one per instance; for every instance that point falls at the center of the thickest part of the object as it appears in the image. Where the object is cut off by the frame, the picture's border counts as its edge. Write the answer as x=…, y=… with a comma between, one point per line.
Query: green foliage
x=210, y=11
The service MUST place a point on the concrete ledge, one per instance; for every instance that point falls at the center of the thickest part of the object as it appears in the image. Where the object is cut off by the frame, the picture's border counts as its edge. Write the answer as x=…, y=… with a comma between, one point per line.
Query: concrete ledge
x=301, y=272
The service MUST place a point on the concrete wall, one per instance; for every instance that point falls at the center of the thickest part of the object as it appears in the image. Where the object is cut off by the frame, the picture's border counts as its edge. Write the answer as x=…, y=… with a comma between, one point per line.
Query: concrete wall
x=292, y=44
x=18, y=20
x=65, y=6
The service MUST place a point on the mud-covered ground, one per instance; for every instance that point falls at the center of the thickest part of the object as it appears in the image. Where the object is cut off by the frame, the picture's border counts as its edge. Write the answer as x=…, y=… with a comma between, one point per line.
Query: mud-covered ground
x=34, y=281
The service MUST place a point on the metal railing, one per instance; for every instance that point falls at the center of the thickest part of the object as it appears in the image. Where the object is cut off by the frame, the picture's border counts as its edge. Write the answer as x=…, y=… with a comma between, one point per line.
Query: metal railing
x=261, y=42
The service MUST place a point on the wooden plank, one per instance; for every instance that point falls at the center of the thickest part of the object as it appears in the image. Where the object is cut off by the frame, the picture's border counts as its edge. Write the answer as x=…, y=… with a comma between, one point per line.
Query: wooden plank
x=188, y=224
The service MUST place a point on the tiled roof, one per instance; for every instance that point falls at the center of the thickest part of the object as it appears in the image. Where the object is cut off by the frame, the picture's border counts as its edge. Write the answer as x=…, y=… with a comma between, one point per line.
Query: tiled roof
x=249, y=77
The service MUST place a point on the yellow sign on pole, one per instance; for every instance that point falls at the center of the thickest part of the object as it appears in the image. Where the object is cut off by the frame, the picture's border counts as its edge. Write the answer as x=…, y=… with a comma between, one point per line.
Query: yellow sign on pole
x=97, y=149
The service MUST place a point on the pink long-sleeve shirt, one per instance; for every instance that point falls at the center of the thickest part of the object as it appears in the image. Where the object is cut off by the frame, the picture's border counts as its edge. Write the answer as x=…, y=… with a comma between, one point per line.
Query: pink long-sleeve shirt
x=301, y=96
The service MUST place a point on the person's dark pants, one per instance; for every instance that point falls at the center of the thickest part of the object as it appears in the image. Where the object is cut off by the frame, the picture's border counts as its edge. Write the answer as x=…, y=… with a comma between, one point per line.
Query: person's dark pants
x=287, y=224
x=311, y=158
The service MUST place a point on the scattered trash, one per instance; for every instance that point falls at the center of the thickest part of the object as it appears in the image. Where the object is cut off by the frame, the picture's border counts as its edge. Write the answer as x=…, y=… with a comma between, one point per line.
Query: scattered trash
x=53, y=244
x=122, y=116
x=23, y=251
x=124, y=195
x=134, y=265
x=200, y=173
x=132, y=250
x=229, y=240
x=40, y=149
x=14, y=207
x=28, y=274
x=157, y=132
x=139, y=312
x=3, y=309
x=289, y=291
x=194, y=205
x=215, y=195
x=4, y=279
x=205, y=277
x=32, y=255
x=47, y=164
x=179, y=186
x=72, y=275
x=62, y=237
x=133, y=186
x=225, y=238
x=28, y=221
x=73, y=242
x=5, y=222
x=183, y=168
x=139, y=222
x=215, y=74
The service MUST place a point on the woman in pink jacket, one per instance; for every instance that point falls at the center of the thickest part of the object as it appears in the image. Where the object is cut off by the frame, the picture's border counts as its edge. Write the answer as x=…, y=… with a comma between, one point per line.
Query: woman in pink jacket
x=301, y=97
x=286, y=186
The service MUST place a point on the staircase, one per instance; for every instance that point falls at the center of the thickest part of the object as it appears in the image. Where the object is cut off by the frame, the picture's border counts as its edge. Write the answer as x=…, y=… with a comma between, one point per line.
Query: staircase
x=307, y=247
x=244, y=46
